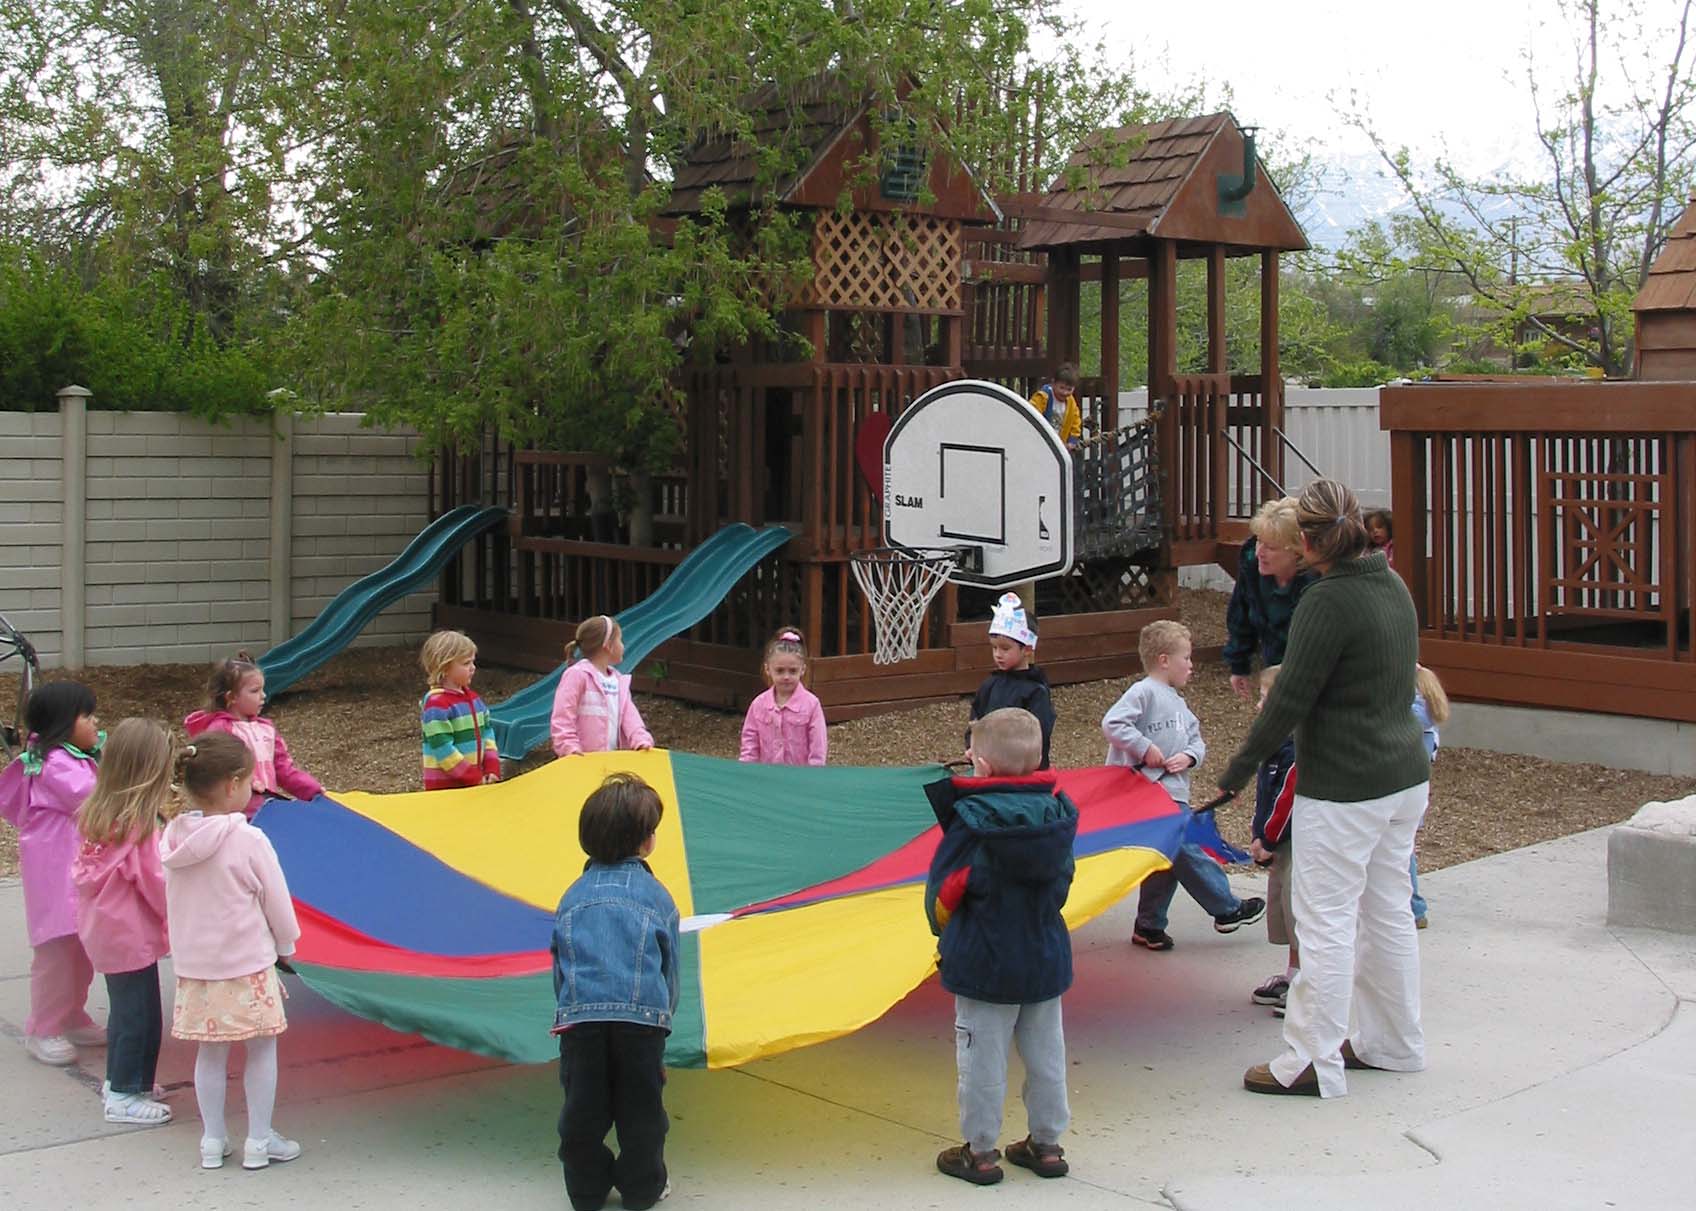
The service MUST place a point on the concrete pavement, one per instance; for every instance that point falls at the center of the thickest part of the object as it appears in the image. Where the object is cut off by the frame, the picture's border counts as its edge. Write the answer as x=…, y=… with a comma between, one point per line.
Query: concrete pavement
x=1562, y=1074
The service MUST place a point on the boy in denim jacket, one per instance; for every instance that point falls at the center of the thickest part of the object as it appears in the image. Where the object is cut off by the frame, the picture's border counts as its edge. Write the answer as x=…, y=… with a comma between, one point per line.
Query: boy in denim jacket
x=999, y=879
x=615, y=984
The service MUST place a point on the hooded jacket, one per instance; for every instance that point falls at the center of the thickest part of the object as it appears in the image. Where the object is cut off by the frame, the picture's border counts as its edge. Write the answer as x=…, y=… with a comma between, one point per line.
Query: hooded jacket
x=121, y=903
x=997, y=884
x=459, y=741
x=1026, y=689
x=582, y=720
x=43, y=808
x=274, y=771
x=226, y=900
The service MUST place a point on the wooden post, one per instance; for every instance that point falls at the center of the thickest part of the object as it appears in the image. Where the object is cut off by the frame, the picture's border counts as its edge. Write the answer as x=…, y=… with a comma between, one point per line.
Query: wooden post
x=73, y=581
x=1162, y=318
x=1408, y=507
x=281, y=548
x=1216, y=363
x=1110, y=339
x=1271, y=377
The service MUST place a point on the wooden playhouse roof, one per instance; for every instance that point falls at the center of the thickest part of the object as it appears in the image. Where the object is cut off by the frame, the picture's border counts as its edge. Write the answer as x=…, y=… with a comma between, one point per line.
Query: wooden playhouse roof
x=1671, y=284
x=1164, y=177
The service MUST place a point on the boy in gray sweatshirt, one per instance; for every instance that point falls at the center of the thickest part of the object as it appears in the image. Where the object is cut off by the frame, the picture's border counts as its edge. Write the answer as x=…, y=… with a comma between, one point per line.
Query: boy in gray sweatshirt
x=1152, y=729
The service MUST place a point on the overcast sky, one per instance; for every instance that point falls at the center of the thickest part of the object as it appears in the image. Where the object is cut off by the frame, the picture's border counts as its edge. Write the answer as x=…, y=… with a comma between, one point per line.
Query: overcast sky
x=1434, y=74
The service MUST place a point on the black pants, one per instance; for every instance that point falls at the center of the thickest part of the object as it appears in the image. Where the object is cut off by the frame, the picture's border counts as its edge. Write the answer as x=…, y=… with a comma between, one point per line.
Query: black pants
x=133, y=1029
x=614, y=1076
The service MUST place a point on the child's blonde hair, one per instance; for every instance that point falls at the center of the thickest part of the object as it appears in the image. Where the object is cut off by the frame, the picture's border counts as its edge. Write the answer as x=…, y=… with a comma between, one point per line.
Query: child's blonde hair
x=227, y=677
x=209, y=761
x=1162, y=638
x=441, y=650
x=1430, y=689
x=1008, y=740
x=133, y=789
x=595, y=633
x=785, y=641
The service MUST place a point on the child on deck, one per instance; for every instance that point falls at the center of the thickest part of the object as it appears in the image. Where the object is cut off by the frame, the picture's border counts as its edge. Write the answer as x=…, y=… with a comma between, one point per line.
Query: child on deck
x=231, y=919
x=1152, y=729
x=1056, y=401
x=121, y=910
x=1380, y=531
x=1274, y=800
x=40, y=793
x=459, y=743
x=785, y=725
x=997, y=884
x=615, y=951
x=1016, y=681
x=235, y=696
x=593, y=710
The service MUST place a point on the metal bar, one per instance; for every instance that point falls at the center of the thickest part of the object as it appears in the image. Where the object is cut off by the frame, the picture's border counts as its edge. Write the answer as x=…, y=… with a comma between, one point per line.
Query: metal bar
x=1284, y=437
x=1264, y=473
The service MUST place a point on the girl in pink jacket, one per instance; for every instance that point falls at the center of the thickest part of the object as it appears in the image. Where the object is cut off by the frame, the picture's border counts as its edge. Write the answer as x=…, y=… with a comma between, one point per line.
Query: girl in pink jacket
x=236, y=695
x=40, y=793
x=231, y=920
x=121, y=910
x=593, y=710
x=785, y=725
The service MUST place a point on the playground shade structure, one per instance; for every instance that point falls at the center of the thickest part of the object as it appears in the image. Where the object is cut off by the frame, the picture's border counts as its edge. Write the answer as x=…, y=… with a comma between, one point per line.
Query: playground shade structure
x=800, y=889
x=415, y=568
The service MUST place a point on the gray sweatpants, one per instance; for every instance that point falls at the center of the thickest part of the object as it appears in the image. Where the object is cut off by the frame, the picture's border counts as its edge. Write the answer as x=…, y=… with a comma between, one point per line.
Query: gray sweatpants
x=982, y=1031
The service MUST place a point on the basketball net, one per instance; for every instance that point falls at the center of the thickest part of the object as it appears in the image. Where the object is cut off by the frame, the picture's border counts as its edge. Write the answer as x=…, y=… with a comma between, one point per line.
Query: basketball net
x=900, y=584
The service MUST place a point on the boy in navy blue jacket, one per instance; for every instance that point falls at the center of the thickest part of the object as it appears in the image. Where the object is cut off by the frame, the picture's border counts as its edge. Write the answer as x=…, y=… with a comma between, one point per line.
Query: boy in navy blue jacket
x=615, y=988
x=1016, y=680
x=997, y=885
x=1274, y=799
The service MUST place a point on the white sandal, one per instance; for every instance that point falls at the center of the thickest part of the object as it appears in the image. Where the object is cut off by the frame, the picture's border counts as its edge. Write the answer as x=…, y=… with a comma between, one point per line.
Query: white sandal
x=136, y=1110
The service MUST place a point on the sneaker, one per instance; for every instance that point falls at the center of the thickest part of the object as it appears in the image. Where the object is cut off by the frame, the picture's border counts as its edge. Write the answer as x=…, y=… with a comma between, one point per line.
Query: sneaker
x=1154, y=939
x=1420, y=922
x=54, y=1050
x=257, y=1154
x=213, y=1151
x=92, y=1035
x=663, y=1194
x=1247, y=913
x=1281, y=1006
x=136, y=1110
x=1272, y=992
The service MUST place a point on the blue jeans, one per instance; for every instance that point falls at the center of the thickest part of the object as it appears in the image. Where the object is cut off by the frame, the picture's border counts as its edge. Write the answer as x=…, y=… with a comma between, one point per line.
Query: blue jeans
x=1418, y=900
x=1200, y=875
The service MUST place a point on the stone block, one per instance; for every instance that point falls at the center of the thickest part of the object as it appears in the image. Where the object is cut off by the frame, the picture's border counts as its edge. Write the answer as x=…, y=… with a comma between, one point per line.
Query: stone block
x=1652, y=868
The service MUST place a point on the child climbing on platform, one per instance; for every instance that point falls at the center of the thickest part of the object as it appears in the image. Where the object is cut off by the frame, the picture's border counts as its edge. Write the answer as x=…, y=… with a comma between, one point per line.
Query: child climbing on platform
x=1056, y=401
x=994, y=895
x=593, y=709
x=785, y=725
x=235, y=696
x=231, y=920
x=121, y=909
x=1016, y=680
x=616, y=985
x=40, y=793
x=459, y=743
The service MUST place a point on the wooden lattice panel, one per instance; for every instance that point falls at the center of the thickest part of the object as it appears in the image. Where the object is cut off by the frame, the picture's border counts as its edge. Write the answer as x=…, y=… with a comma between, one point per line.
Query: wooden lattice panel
x=886, y=262
x=1606, y=545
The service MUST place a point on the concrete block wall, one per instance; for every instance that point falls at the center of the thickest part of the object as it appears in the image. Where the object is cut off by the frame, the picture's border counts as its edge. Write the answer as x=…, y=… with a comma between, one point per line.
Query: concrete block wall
x=199, y=540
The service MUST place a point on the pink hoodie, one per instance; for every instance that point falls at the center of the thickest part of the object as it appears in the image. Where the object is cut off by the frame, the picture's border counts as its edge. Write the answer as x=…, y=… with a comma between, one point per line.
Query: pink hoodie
x=791, y=734
x=121, y=903
x=227, y=902
x=43, y=809
x=274, y=771
x=581, y=722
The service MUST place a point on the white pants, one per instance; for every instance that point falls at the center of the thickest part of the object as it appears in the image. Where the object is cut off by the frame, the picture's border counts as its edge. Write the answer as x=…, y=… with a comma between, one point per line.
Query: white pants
x=1349, y=888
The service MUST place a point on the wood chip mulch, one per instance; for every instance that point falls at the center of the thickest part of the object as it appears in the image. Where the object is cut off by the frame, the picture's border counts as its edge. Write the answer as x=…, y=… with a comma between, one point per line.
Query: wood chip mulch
x=355, y=725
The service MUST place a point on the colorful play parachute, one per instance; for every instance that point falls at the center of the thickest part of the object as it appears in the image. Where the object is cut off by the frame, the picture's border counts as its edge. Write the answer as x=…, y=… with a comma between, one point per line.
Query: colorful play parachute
x=800, y=891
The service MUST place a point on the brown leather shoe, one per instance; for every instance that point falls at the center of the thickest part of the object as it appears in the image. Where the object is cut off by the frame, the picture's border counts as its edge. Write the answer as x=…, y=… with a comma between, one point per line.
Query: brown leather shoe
x=1259, y=1079
x=1353, y=1062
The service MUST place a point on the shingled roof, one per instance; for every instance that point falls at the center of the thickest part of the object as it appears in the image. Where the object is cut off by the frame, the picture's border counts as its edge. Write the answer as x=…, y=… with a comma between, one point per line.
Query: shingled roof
x=1165, y=174
x=732, y=164
x=1671, y=284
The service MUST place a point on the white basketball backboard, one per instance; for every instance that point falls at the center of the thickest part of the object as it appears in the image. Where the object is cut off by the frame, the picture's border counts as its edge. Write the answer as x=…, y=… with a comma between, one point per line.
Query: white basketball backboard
x=970, y=464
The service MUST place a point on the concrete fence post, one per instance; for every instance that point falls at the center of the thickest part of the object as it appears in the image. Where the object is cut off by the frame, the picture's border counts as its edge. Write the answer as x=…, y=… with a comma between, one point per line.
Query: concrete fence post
x=282, y=527
x=73, y=439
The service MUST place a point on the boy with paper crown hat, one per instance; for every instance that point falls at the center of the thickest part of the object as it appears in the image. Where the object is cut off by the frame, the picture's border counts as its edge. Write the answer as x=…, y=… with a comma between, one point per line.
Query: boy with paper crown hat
x=1016, y=681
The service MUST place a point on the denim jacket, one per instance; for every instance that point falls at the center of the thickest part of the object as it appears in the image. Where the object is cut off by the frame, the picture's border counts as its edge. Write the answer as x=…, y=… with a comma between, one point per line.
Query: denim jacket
x=615, y=948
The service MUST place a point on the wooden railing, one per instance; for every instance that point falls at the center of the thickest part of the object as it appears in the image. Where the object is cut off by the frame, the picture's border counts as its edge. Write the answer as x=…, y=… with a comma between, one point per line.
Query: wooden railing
x=1548, y=536
x=1212, y=486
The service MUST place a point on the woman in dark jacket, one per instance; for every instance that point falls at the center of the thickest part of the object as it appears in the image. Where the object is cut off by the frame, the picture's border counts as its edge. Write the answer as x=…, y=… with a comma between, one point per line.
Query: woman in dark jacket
x=1343, y=688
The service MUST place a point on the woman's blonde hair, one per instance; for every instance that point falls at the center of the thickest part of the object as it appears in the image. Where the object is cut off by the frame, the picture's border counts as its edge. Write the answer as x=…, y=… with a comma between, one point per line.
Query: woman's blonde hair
x=1329, y=516
x=1276, y=524
x=132, y=792
x=1430, y=689
x=442, y=649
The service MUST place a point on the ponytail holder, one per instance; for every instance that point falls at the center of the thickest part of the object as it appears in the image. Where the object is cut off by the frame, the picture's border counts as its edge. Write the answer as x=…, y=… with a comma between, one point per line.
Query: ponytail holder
x=188, y=750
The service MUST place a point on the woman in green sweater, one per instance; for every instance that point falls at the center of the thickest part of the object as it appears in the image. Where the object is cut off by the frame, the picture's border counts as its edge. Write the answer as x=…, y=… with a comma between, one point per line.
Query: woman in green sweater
x=1344, y=690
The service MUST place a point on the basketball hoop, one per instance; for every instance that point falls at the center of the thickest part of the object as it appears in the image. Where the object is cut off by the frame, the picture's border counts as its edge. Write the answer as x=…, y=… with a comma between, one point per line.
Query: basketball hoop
x=900, y=583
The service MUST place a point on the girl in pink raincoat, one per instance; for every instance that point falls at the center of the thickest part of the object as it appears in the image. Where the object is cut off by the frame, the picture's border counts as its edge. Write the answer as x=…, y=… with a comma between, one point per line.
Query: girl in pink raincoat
x=785, y=725
x=593, y=711
x=235, y=696
x=40, y=793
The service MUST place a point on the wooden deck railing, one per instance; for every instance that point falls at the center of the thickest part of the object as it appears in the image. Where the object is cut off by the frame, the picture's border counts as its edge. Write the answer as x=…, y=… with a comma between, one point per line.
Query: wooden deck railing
x=1548, y=536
